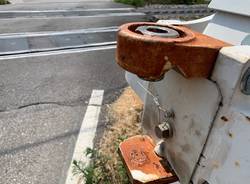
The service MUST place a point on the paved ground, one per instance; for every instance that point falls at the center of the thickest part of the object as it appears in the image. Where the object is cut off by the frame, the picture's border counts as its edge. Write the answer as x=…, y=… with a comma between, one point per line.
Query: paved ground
x=43, y=95
x=54, y=5
x=60, y=24
x=57, y=1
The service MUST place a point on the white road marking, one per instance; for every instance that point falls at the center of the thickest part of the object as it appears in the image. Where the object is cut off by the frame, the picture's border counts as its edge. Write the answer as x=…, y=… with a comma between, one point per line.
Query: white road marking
x=46, y=35
x=56, y=33
x=87, y=132
x=104, y=15
x=18, y=51
x=50, y=53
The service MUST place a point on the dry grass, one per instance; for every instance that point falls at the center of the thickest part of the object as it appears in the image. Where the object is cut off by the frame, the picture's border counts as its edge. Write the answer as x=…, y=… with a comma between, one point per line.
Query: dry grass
x=124, y=115
x=106, y=166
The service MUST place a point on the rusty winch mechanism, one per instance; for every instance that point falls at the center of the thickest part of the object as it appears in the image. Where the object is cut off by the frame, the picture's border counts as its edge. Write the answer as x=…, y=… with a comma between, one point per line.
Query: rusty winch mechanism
x=149, y=50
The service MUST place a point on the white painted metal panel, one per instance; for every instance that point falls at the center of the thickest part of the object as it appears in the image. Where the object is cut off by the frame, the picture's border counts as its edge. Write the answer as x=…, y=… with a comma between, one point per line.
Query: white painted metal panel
x=195, y=102
x=230, y=28
x=241, y=7
x=198, y=25
x=137, y=84
x=226, y=155
x=226, y=159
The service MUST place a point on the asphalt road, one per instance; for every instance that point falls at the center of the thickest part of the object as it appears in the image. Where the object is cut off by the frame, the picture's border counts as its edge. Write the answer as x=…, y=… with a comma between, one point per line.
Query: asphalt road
x=61, y=24
x=44, y=95
x=57, y=5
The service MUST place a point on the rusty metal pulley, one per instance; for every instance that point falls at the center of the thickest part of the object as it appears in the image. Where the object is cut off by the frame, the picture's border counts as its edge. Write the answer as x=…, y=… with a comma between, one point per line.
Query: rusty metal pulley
x=149, y=50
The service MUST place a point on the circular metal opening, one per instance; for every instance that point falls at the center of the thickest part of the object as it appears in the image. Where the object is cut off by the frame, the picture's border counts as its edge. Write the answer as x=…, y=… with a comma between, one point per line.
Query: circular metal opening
x=158, y=31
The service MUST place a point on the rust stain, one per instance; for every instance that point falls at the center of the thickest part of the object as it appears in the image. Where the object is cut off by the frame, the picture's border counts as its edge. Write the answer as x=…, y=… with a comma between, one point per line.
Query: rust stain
x=185, y=148
x=198, y=133
x=192, y=54
x=142, y=164
x=237, y=163
x=215, y=164
x=230, y=134
x=224, y=118
x=139, y=157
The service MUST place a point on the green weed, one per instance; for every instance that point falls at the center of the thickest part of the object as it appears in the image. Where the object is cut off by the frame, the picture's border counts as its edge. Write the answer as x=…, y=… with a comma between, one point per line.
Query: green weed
x=132, y=2
x=4, y=2
x=98, y=171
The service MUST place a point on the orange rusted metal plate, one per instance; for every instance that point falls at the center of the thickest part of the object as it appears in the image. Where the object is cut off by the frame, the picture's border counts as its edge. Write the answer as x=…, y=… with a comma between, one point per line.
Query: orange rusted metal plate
x=192, y=54
x=142, y=164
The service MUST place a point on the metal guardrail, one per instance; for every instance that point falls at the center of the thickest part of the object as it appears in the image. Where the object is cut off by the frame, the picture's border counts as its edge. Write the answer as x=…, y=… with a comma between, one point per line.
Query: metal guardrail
x=176, y=11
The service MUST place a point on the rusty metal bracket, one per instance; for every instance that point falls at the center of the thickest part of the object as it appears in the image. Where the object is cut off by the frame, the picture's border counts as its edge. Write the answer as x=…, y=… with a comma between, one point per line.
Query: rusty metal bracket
x=142, y=163
x=149, y=50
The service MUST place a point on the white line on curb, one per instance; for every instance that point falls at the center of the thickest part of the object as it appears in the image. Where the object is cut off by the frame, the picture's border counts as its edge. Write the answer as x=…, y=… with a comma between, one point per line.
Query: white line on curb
x=87, y=132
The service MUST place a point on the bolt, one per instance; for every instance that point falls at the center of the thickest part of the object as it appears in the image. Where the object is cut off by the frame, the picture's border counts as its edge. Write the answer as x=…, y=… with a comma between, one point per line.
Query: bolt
x=163, y=130
x=169, y=114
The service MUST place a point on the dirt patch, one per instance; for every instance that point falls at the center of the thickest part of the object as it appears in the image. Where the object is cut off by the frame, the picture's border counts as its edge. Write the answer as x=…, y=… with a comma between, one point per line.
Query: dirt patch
x=124, y=117
x=105, y=166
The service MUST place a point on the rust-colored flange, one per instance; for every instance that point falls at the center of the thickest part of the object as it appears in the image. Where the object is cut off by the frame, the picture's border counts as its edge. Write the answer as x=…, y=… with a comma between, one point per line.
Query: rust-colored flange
x=192, y=54
x=142, y=164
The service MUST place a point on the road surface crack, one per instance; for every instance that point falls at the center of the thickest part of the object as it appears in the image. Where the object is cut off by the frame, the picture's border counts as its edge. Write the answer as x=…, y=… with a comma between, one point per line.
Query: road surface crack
x=110, y=95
